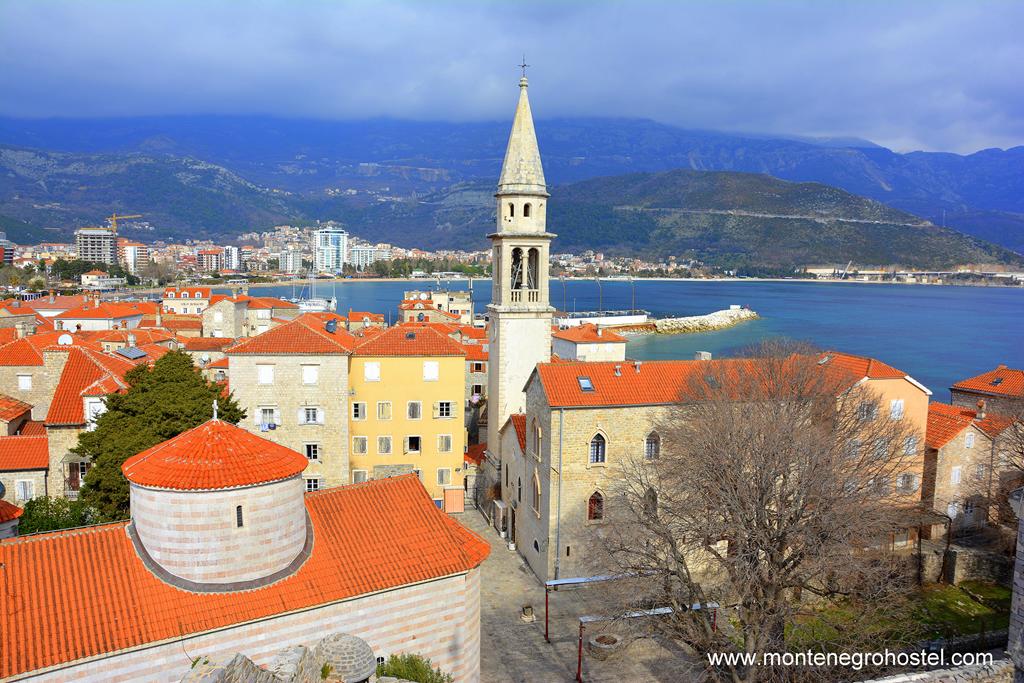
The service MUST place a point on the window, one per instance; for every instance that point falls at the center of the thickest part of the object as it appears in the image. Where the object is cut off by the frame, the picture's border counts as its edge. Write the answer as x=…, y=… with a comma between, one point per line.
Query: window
x=383, y=445
x=383, y=410
x=311, y=416
x=477, y=366
x=310, y=374
x=238, y=516
x=969, y=440
x=519, y=489
x=597, y=449
x=477, y=390
x=312, y=451
x=444, y=443
x=535, y=494
x=371, y=371
x=359, y=445
x=910, y=445
x=538, y=439
x=506, y=476
x=414, y=409
x=595, y=506
x=585, y=384
x=268, y=416
x=94, y=407
x=954, y=475
x=951, y=510
x=24, y=489
x=444, y=476
x=650, y=505
x=25, y=382
x=263, y=314
x=313, y=484
x=511, y=210
x=981, y=472
x=265, y=374
x=412, y=444
x=526, y=210
x=906, y=483
x=431, y=370
x=868, y=410
x=652, y=446
x=184, y=295
x=358, y=411
x=896, y=409
x=358, y=476
x=443, y=409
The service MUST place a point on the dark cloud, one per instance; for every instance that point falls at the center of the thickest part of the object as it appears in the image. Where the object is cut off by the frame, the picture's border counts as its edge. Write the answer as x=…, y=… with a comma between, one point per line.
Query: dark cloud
x=910, y=75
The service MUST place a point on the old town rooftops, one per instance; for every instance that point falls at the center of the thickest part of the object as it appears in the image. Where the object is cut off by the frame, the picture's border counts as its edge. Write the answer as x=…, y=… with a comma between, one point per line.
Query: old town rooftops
x=302, y=336
x=409, y=341
x=214, y=455
x=588, y=333
x=24, y=453
x=1002, y=381
x=118, y=604
x=946, y=422
x=569, y=384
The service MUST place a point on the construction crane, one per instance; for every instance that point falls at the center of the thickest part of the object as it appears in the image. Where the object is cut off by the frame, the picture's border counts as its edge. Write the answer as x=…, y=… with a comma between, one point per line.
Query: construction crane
x=112, y=219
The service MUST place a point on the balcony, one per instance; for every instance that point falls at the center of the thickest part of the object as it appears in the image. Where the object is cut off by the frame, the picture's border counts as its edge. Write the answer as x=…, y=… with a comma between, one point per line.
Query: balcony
x=531, y=296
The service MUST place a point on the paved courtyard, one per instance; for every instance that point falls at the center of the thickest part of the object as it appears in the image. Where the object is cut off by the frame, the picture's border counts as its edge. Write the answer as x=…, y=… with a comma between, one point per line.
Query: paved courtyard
x=513, y=651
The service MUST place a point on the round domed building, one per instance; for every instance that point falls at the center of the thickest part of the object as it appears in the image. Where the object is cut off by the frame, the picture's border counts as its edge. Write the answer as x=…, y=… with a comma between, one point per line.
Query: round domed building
x=219, y=509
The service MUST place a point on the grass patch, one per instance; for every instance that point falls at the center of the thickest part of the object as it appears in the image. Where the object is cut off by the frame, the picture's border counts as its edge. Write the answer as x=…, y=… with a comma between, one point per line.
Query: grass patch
x=948, y=610
x=993, y=594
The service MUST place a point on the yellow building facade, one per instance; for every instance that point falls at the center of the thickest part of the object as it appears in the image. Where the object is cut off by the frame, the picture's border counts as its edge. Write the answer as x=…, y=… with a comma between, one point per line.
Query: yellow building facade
x=406, y=404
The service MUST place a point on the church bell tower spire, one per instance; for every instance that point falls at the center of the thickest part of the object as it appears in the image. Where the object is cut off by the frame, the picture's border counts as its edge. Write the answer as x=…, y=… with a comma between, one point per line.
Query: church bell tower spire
x=519, y=313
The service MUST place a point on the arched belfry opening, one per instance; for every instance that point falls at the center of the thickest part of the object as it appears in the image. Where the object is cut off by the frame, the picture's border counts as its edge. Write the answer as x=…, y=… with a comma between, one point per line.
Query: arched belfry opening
x=533, y=269
x=517, y=268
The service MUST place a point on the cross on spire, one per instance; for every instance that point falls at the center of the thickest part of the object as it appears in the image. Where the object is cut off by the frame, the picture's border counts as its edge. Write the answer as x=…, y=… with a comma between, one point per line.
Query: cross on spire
x=524, y=65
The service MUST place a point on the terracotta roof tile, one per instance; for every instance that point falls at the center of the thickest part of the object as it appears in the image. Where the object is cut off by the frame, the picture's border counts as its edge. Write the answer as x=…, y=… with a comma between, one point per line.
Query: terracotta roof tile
x=11, y=407
x=28, y=351
x=306, y=336
x=219, y=363
x=402, y=538
x=9, y=512
x=86, y=373
x=945, y=422
x=63, y=303
x=214, y=455
x=1002, y=381
x=24, y=453
x=108, y=311
x=175, y=322
x=33, y=428
x=861, y=366
x=207, y=343
x=475, y=352
x=588, y=333
x=361, y=316
x=518, y=421
x=475, y=454
x=193, y=292
x=403, y=341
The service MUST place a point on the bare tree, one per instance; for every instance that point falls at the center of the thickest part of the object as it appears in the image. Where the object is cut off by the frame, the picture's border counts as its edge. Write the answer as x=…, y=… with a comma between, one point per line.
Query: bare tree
x=778, y=491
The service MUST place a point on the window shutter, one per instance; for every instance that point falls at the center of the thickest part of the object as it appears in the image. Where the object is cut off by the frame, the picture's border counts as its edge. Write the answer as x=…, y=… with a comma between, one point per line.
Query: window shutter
x=437, y=409
x=406, y=445
x=73, y=476
x=277, y=416
x=301, y=419
x=319, y=416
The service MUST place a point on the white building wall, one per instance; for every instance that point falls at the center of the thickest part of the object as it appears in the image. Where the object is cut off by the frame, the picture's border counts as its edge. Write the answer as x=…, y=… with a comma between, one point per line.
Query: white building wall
x=438, y=619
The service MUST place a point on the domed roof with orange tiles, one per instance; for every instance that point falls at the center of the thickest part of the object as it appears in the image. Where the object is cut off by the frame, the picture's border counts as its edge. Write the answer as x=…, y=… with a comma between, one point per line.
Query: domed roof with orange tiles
x=214, y=455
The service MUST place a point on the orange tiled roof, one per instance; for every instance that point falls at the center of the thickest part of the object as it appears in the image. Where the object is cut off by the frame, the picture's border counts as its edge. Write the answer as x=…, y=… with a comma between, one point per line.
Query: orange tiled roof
x=475, y=352
x=305, y=336
x=214, y=455
x=861, y=366
x=24, y=453
x=403, y=341
x=33, y=428
x=193, y=292
x=207, y=343
x=29, y=350
x=475, y=454
x=1002, y=381
x=147, y=336
x=174, y=322
x=86, y=373
x=95, y=272
x=108, y=310
x=121, y=604
x=319, y=317
x=7, y=335
x=945, y=422
x=359, y=316
x=9, y=512
x=219, y=363
x=588, y=333
x=11, y=407
x=63, y=303
x=518, y=421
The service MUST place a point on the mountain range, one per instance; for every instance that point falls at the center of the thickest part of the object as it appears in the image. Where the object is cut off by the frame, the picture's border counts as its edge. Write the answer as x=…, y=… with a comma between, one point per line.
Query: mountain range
x=217, y=176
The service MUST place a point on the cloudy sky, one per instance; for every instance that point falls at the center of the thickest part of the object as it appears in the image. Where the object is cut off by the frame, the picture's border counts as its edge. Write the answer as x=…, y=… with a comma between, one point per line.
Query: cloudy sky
x=910, y=75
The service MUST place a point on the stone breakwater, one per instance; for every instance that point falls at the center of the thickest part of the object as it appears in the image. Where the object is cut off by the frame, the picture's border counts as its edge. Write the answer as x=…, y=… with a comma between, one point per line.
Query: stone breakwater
x=694, y=323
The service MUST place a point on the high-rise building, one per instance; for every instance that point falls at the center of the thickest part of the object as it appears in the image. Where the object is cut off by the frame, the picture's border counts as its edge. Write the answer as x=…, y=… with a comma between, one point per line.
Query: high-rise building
x=6, y=249
x=210, y=260
x=289, y=261
x=362, y=255
x=331, y=248
x=232, y=258
x=96, y=244
x=133, y=255
x=520, y=316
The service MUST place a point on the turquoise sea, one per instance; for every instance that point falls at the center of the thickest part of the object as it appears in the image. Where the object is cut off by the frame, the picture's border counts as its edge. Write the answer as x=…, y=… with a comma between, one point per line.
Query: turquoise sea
x=937, y=334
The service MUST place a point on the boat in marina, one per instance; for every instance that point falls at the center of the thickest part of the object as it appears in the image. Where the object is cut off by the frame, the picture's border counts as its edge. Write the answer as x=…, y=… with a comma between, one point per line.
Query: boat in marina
x=313, y=303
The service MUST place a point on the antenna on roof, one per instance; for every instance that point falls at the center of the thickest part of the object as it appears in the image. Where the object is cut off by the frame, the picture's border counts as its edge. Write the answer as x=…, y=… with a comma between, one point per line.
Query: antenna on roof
x=214, y=409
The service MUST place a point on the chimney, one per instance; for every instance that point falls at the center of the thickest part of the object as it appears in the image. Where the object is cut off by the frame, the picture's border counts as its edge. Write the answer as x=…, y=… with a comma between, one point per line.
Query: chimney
x=131, y=339
x=53, y=298
x=636, y=366
x=981, y=409
x=159, y=316
x=618, y=371
x=702, y=355
x=78, y=327
x=23, y=329
x=600, y=332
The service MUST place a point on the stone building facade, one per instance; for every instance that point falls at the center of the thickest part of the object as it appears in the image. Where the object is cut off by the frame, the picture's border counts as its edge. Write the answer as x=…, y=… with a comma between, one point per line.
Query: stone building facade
x=1001, y=389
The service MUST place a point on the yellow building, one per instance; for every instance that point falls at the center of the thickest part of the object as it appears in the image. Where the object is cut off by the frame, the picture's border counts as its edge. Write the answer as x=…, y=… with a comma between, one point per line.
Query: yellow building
x=406, y=403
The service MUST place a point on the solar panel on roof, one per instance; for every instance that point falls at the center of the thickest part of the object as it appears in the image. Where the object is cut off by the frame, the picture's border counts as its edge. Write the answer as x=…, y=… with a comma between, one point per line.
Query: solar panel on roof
x=131, y=352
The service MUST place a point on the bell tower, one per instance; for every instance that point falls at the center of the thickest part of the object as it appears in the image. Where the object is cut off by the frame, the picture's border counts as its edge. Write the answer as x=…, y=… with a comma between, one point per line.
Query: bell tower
x=520, y=316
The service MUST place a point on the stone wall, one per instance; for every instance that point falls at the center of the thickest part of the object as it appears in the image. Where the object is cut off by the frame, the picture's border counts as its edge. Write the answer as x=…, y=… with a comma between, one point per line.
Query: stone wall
x=1000, y=671
x=703, y=323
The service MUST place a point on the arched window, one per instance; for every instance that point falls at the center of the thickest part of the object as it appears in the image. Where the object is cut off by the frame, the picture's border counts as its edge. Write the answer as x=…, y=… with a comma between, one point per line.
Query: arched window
x=537, y=436
x=597, y=449
x=511, y=210
x=519, y=489
x=595, y=506
x=652, y=446
x=535, y=498
x=533, y=269
x=526, y=210
x=238, y=516
x=650, y=503
x=517, y=268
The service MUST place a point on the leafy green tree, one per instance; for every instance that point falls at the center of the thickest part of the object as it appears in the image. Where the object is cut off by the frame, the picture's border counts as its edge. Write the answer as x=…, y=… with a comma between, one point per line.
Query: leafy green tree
x=411, y=667
x=161, y=402
x=50, y=514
